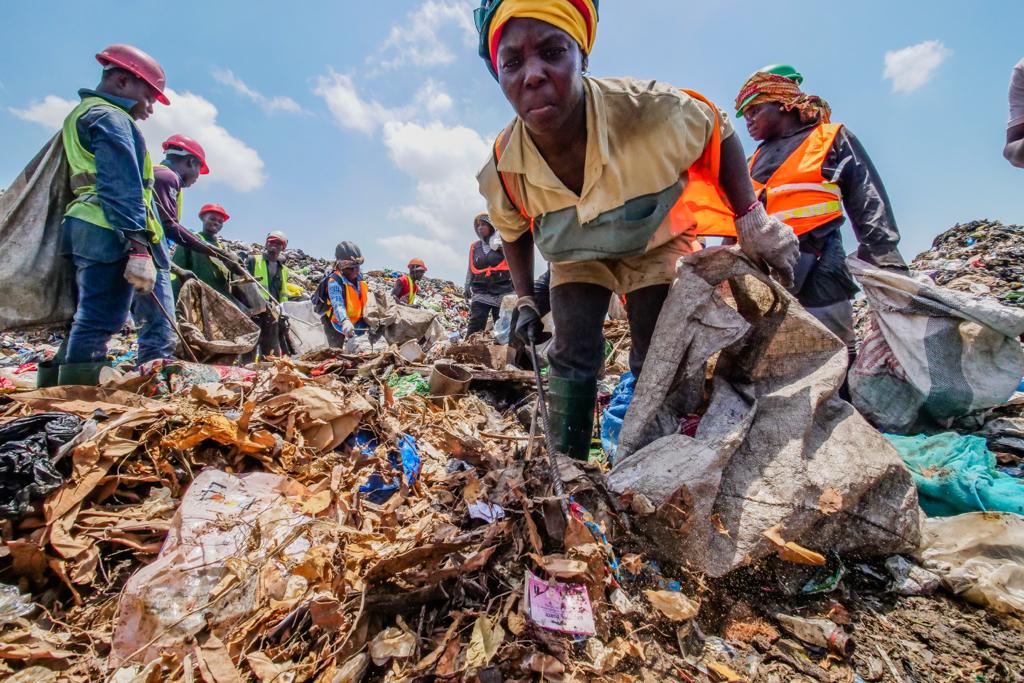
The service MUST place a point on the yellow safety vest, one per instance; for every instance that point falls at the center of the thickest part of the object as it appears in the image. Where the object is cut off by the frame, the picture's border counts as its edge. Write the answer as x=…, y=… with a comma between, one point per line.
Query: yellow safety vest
x=261, y=274
x=86, y=204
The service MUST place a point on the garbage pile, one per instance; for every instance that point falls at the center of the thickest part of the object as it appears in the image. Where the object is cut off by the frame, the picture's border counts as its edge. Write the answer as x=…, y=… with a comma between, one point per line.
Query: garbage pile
x=441, y=296
x=983, y=258
x=336, y=518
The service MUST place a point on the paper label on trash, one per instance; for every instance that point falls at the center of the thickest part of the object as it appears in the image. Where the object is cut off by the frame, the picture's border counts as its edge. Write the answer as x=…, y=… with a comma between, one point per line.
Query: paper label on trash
x=562, y=607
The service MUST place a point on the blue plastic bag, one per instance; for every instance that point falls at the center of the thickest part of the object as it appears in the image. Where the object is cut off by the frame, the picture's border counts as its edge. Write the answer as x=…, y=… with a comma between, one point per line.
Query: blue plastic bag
x=956, y=474
x=410, y=458
x=615, y=413
x=378, y=489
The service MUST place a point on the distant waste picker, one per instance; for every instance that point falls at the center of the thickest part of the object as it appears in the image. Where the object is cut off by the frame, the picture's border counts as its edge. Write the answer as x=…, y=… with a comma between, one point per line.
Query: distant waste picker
x=111, y=230
x=209, y=269
x=406, y=287
x=271, y=272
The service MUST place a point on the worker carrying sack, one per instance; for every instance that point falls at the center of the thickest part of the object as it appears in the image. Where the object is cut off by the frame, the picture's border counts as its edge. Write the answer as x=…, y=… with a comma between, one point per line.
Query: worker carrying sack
x=777, y=458
x=38, y=283
x=931, y=354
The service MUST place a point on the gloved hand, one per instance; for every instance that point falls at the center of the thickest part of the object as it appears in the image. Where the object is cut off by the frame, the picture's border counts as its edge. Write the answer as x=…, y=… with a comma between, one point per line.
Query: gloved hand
x=181, y=273
x=348, y=330
x=765, y=238
x=529, y=328
x=140, y=272
x=495, y=242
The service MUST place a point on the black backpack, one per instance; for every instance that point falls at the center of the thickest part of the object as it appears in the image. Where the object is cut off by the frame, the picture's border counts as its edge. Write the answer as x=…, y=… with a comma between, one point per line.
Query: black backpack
x=321, y=299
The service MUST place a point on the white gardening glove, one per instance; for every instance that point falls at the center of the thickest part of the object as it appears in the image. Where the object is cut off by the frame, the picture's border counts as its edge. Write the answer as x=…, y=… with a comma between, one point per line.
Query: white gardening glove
x=766, y=238
x=495, y=242
x=347, y=328
x=140, y=272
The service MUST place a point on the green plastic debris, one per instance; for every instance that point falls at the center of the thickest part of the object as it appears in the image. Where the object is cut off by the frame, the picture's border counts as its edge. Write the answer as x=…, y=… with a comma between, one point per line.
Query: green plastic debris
x=407, y=385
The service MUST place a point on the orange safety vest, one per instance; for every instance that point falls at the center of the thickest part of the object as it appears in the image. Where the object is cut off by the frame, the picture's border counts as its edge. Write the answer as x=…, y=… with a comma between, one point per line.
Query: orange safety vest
x=702, y=209
x=354, y=302
x=798, y=194
x=487, y=271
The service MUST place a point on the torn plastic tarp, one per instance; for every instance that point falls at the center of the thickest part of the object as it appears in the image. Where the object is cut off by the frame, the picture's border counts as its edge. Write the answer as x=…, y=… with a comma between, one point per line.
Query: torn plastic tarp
x=956, y=474
x=28, y=446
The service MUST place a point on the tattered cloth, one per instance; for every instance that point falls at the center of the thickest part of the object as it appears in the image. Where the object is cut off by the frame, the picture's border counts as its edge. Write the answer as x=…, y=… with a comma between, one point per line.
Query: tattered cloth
x=212, y=325
x=774, y=88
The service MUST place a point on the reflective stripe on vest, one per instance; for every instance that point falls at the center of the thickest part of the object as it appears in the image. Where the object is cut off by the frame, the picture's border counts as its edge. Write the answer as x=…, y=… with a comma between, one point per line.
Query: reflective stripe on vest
x=501, y=267
x=411, y=284
x=797, y=193
x=82, y=163
x=260, y=272
x=701, y=209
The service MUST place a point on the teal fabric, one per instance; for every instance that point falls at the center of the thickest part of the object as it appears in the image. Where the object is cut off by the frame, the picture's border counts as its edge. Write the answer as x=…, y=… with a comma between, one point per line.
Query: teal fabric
x=956, y=474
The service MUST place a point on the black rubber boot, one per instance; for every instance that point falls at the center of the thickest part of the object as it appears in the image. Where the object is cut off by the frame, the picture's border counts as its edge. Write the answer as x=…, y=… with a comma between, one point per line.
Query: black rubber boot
x=86, y=374
x=47, y=374
x=571, y=409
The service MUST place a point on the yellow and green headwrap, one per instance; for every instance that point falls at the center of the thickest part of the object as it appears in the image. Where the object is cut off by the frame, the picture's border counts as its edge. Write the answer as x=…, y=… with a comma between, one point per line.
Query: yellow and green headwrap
x=578, y=18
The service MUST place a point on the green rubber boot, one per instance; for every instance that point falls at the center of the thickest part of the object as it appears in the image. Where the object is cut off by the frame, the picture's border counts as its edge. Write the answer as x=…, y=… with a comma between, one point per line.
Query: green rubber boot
x=47, y=374
x=571, y=409
x=86, y=374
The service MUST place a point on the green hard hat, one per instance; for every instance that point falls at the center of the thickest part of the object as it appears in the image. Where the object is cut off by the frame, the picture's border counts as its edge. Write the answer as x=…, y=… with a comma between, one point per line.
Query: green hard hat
x=785, y=70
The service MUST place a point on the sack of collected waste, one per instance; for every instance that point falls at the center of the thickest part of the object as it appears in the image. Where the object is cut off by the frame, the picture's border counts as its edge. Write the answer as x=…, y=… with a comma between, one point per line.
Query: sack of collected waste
x=399, y=323
x=932, y=354
x=213, y=325
x=31, y=213
x=980, y=557
x=779, y=463
x=305, y=330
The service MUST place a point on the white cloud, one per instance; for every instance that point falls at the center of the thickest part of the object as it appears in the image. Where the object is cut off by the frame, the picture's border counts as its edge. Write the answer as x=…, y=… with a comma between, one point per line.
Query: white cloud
x=911, y=67
x=419, y=40
x=270, y=104
x=436, y=254
x=49, y=113
x=231, y=161
x=349, y=110
x=433, y=98
x=443, y=160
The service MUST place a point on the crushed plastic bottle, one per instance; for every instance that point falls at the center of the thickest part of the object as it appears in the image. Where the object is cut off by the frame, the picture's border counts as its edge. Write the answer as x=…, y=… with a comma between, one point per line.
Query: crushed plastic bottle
x=14, y=604
x=822, y=633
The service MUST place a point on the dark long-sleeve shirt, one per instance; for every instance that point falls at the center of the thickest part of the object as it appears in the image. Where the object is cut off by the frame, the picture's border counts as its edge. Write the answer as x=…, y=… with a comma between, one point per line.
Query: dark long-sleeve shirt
x=822, y=277
x=166, y=189
x=489, y=289
x=864, y=197
x=120, y=152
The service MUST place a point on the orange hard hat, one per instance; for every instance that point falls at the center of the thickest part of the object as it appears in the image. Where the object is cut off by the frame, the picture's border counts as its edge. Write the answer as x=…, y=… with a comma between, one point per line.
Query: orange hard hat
x=214, y=208
x=135, y=61
x=191, y=146
x=417, y=263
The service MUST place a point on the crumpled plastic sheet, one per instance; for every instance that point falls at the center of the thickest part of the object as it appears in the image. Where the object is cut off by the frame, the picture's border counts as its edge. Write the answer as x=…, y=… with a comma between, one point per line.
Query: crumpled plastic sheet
x=168, y=377
x=378, y=489
x=27, y=448
x=615, y=413
x=956, y=474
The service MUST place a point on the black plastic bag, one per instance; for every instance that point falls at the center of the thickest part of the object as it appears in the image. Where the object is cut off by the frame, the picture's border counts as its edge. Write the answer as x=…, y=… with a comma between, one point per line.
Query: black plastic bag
x=27, y=448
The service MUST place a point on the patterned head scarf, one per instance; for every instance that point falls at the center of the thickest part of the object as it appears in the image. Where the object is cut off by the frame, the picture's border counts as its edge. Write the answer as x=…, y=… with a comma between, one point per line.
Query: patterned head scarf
x=578, y=18
x=765, y=87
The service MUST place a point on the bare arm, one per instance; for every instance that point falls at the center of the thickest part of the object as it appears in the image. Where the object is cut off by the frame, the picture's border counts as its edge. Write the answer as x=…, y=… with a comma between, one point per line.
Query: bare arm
x=519, y=255
x=1014, y=149
x=734, y=177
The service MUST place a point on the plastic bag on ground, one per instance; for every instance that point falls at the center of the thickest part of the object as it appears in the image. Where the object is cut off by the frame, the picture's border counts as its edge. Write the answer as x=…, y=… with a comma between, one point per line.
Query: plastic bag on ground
x=232, y=543
x=213, y=325
x=777, y=453
x=40, y=284
x=503, y=325
x=980, y=557
x=956, y=474
x=615, y=413
x=932, y=354
x=27, y=448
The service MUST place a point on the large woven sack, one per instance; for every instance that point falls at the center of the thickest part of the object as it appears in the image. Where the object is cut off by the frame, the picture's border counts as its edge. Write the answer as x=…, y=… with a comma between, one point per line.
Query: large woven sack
x=213, y=325
x=777, y=452
x=932, y=354
x=38, y=284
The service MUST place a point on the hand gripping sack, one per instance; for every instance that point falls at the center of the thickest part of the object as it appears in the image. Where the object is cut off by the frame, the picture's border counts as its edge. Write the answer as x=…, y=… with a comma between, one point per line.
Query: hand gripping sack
x=777, y=451
x=932, y=354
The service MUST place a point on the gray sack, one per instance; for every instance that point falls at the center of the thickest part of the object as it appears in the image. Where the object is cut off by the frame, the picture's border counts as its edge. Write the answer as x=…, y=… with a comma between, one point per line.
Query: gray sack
x=776, y=451
x=38, y=284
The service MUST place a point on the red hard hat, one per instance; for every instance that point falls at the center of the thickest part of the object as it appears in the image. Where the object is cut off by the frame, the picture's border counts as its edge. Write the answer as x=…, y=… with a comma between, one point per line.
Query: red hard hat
x=213, y=208
x=191, y=146
x=417, y=263
x=135, y=61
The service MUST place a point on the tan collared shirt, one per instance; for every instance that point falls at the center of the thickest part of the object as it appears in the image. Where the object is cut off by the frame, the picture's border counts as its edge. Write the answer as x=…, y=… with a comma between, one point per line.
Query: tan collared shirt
x=642, y=136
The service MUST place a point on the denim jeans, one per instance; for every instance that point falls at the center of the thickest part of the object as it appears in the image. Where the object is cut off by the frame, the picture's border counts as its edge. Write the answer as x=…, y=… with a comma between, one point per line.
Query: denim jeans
x=105, y=297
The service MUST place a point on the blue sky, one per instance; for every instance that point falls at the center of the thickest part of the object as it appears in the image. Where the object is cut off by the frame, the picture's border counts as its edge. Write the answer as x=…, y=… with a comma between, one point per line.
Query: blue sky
x=367, y=121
